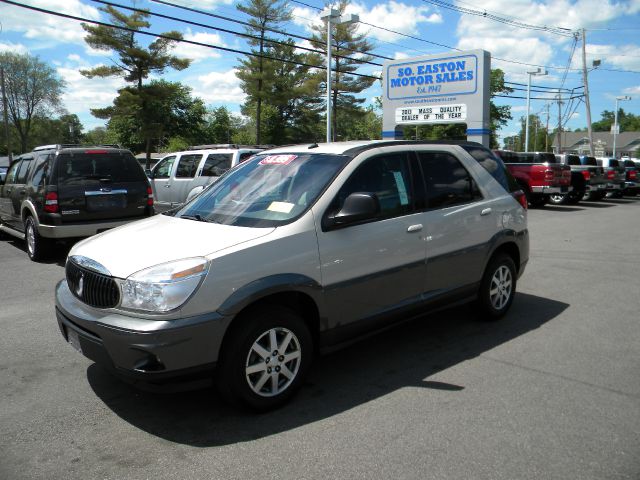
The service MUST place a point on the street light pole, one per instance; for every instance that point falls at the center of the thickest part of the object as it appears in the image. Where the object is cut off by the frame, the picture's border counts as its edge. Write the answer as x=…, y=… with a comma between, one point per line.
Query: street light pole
x=615, y=122
x=333, y=17
x=540, y=72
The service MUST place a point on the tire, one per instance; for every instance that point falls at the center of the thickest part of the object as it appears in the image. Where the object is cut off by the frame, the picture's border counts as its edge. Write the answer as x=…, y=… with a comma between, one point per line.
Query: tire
x=537, y=201
x=37, y=247
x=498, y=288
x=253, y=365
x=558, y=199
x=575, y=197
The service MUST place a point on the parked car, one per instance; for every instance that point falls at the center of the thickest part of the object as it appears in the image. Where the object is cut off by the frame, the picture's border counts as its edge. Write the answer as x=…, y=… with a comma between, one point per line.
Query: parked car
x=585, y=179
x=631, y=186
x=298, y=249
x=615, y=174
x=182, y=175
x=538, y=174
x=61, y=192
x=4, y=166
x=598, y=178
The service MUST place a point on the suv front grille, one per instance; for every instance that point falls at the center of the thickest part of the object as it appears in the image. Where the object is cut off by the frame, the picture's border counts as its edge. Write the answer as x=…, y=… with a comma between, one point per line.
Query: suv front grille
x=92, y=288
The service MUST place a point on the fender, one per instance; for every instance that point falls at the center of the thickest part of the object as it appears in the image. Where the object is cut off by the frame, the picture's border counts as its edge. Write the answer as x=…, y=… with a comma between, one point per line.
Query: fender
x=26, y=208
x=281, y=283
x=519, y=239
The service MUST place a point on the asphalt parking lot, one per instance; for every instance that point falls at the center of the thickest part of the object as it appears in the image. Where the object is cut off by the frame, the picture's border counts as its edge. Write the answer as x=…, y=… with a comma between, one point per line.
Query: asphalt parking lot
x=550, y=392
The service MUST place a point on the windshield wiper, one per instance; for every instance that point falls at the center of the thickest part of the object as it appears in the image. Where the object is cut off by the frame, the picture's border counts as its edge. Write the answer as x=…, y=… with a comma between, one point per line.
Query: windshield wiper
x=195, y=217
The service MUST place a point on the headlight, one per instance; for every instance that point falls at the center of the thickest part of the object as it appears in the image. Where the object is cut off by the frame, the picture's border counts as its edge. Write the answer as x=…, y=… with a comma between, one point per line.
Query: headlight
x=163, y=287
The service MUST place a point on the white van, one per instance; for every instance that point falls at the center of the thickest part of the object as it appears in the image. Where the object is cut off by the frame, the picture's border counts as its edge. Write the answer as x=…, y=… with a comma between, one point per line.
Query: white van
x=180, y=176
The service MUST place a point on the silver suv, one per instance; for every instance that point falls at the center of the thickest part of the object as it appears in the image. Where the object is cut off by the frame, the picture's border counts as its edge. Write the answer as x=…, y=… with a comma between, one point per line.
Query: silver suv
x=295, y=251
x=180, y=176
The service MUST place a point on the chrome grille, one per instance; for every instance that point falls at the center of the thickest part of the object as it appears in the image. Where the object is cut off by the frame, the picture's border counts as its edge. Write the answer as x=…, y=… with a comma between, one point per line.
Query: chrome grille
x=92, y=288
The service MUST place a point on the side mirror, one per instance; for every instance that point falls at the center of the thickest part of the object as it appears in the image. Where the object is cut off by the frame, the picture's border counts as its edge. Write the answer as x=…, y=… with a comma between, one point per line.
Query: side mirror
x=357, y=207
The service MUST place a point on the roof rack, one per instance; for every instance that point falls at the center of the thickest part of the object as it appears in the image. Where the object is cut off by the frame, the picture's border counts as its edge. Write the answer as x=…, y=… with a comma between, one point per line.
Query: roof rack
x=58, y=146
x=215, y=146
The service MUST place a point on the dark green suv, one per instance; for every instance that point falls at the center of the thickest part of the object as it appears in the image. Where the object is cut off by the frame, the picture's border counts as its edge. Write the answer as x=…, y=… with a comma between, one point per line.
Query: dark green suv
x=62, y=191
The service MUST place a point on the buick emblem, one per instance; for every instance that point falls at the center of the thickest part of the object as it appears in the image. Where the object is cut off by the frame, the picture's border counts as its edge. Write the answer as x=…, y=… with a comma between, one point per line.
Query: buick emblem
x=80, y=285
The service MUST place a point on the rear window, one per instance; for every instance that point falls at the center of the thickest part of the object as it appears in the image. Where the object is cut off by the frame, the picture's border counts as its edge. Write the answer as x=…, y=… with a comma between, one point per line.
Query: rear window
x=545, y=158
x=494, y=165
x=573, y=160
x=627, y=163
x=589, y=161
x=88, y=168
x=614, y=163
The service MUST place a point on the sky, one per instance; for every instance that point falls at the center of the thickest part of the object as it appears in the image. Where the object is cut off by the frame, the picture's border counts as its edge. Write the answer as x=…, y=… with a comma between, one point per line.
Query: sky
x=521, y=36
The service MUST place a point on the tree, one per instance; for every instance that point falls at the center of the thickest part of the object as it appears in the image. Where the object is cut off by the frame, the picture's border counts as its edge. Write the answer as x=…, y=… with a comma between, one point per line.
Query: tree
x=628, y=122
x=134, y=63
x=145, y=116
x=537, y=134
x=33, y=89
x=264, y=15
x=349, y=50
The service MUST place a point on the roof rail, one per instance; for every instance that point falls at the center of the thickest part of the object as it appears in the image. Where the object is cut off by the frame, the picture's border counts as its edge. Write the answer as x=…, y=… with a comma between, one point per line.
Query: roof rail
x=215, y=146
x=58, y=146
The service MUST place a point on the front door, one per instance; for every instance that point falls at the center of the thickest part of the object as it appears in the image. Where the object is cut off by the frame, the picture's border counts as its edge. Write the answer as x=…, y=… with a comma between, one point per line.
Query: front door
x=373, y=268
x=161, y=180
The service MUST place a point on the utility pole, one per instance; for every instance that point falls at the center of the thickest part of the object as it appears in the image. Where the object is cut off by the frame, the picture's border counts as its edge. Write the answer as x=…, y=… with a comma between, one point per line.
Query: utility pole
x=6, y=121
x=559, y=123
x=586, y=90
x=546, y=136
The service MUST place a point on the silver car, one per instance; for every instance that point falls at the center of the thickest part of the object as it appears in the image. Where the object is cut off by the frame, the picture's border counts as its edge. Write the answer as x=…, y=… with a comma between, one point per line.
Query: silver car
x=297, y=250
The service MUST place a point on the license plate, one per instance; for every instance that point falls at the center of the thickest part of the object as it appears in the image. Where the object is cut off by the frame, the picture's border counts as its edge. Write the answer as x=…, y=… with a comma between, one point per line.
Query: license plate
x=106, y=202
x=73, y=339
x=601, y=187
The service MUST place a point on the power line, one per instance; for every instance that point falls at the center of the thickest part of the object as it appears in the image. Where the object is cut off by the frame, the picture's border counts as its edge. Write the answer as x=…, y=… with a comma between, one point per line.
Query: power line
x=167, y=37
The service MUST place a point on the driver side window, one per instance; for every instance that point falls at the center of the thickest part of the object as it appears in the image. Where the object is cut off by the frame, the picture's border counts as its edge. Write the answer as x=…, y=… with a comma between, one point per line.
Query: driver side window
x=386, y=176
x=163, y=169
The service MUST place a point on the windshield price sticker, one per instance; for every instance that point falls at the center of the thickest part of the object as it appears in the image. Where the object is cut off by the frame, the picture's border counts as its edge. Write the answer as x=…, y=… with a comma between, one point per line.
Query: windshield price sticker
x=277, y=160
x=434, y=114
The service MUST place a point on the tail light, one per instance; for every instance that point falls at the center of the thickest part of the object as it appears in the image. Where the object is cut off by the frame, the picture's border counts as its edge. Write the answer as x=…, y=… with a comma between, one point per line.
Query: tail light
x=548, y=175
x=51, y=202
x=149, y=197
x=521, y=198
x=611, y=174
x=586, y=175
x=633, y=175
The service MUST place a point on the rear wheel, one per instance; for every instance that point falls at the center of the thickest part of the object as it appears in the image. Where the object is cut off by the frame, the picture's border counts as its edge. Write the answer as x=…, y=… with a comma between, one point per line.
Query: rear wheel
x=37, y=246
x=264, y=362
x=575, y=197
x=498, y=287
x=558, y=199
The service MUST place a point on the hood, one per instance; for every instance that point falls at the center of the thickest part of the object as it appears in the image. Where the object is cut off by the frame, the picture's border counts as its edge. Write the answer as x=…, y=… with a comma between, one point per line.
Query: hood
x=159, y=239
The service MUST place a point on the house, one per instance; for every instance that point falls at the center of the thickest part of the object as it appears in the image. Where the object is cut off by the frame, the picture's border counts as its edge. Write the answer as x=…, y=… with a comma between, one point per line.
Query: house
x=627, y=143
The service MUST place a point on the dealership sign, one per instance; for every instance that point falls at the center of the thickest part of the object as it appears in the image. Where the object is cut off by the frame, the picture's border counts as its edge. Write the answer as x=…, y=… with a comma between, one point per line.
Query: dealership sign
x=445, y=88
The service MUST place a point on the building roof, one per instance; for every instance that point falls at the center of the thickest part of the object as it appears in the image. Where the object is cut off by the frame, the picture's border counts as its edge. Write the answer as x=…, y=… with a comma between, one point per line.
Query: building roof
x=624, y=140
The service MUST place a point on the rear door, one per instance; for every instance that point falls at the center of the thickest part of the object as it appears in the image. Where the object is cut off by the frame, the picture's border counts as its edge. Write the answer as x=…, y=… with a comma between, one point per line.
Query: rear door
x=100, y=185
x=8, y=210
x=459, y=224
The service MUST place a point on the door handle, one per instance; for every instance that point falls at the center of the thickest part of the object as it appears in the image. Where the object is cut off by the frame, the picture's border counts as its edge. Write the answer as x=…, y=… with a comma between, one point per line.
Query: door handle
x=486, y=211
x=167, y=185
x=414, y=228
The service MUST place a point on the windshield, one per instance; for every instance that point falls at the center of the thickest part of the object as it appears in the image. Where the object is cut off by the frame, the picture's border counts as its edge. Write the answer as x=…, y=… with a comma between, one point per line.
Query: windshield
x=266, y=191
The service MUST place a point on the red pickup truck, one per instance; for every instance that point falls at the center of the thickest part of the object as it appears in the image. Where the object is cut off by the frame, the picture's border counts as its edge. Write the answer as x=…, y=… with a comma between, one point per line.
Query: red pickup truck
x=538, y=173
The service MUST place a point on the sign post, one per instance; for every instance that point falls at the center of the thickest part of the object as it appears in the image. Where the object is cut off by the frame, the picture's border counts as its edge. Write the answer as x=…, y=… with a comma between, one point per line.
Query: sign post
x=446, y=88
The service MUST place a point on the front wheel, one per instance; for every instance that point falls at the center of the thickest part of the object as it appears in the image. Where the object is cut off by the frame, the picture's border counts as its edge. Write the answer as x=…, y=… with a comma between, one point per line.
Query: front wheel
x=265, y=358
x=498, y=287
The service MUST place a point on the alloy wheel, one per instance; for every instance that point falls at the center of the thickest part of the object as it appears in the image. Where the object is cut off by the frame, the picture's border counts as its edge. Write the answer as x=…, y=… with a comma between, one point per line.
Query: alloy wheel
x=501, y=287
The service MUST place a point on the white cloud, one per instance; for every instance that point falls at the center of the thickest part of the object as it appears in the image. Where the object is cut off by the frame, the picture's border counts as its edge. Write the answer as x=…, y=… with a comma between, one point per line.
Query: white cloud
x=48, y=28
x=632, y=90
x=81, y=93
x=196, y=52
x=393, y=15
x=400, y=55
x=625, y=57
x=13, y=48
x=218, y=87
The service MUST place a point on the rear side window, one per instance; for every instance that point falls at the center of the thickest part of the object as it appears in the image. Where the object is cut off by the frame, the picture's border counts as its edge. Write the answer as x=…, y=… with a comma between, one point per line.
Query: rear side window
x=21, y=176
x=447, y=181
x=216, y=164
x=87, y=168
x=187, y=166
x=39, y=171
x=494, y=165
x=245, y=156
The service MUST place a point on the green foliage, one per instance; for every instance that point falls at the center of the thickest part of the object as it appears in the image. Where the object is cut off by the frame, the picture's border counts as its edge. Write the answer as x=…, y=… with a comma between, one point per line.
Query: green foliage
x=347, y=46
x=33, y=89
x=628, y=121
x=135, y=62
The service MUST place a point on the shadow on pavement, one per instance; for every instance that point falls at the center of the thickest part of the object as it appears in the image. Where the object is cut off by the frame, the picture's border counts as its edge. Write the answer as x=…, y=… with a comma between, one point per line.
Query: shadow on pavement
x=597, y=203
x=405, y=356
x=561, y=208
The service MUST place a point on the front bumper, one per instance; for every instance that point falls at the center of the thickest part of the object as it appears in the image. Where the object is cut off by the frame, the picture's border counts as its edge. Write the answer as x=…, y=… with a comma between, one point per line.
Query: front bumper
x=139, y=349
